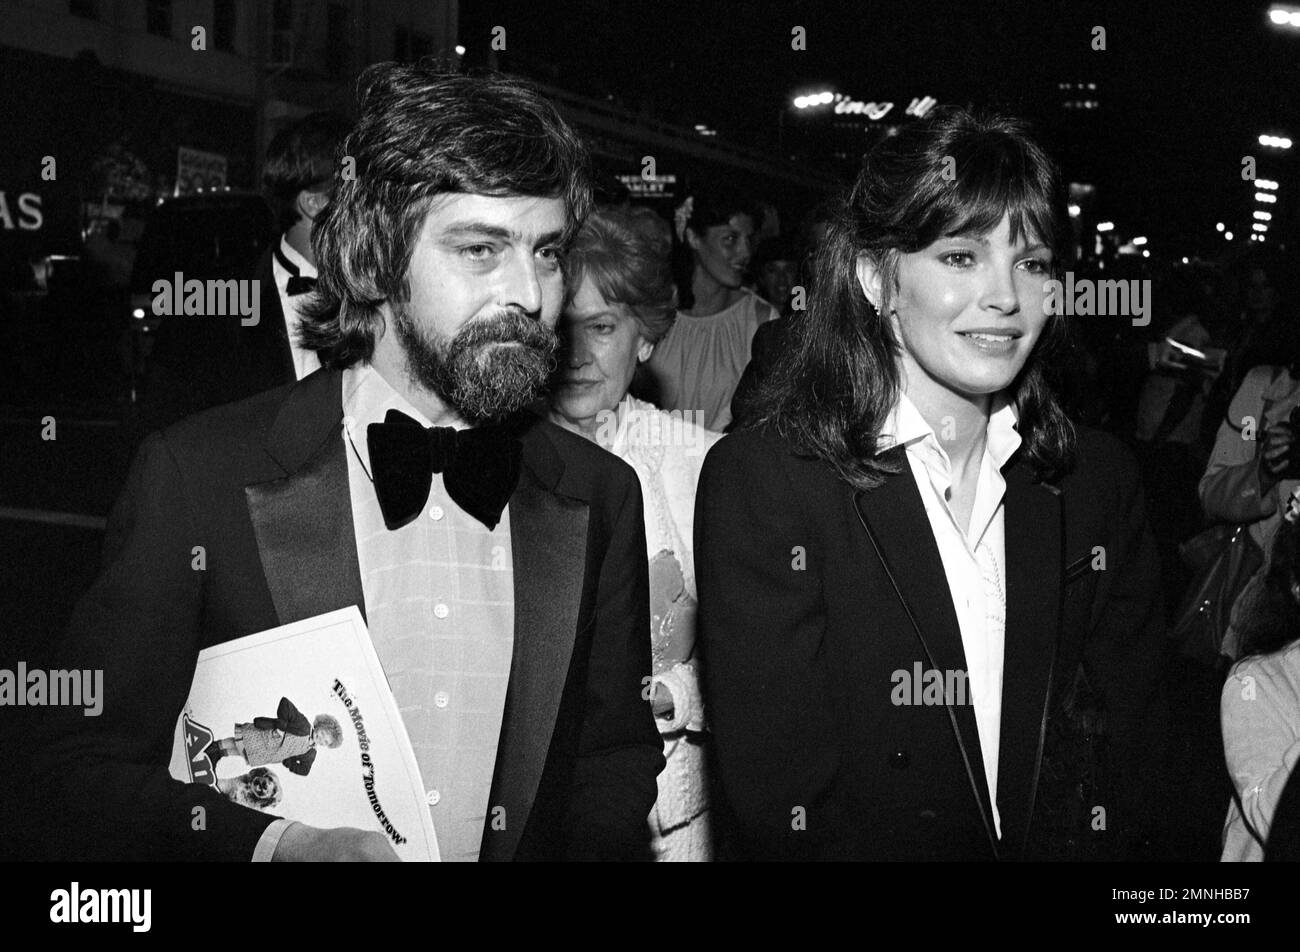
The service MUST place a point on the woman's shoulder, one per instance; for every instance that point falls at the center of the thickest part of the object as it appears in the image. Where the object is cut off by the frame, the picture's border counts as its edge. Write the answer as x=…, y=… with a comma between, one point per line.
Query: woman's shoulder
x=1264, y=677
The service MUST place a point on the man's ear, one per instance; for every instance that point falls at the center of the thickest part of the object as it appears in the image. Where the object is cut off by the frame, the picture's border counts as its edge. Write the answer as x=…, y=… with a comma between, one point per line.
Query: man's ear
x=310, y=204
x=692, y=239
x=869, y=277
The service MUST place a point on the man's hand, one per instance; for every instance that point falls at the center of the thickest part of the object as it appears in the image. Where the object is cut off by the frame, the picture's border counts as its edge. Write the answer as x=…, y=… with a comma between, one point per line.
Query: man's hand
x=301, y=843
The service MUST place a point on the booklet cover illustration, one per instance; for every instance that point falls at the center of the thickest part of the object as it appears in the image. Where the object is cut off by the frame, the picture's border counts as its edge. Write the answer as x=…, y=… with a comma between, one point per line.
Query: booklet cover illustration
x=298, y=721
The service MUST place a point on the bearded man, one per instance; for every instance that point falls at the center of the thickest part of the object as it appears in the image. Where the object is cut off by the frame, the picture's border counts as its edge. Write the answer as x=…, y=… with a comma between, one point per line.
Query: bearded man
x=499, y=560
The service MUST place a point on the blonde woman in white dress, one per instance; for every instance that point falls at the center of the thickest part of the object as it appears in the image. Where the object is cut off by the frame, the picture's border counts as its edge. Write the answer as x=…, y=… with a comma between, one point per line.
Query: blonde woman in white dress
x=621, y=303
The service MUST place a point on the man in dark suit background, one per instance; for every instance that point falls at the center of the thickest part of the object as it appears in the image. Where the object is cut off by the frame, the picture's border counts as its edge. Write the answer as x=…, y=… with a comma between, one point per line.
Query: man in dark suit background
x=500, y=564
x=203, y=362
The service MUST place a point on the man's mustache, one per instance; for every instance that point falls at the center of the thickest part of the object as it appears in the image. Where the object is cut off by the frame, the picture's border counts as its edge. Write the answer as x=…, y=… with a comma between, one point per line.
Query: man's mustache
x=504, y=328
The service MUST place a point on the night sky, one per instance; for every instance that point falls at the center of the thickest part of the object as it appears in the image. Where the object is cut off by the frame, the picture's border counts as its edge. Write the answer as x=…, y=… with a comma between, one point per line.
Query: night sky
x=1185, y=87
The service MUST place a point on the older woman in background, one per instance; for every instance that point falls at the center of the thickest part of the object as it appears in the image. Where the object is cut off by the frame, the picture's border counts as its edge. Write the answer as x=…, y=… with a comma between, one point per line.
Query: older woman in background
x=621, y=304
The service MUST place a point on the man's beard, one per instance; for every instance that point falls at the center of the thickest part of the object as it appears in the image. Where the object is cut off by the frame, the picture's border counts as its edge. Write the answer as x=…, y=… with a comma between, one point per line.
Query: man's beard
x=479, y=380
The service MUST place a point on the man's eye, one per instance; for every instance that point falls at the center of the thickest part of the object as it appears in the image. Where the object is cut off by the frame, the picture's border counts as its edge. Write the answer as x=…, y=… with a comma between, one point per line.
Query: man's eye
x=958, y=259
x=552, y=256
x=602, y=328
x=477, y=252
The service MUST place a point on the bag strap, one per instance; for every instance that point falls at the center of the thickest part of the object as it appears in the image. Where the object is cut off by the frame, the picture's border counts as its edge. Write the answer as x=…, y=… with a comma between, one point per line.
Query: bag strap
x=1250, y=827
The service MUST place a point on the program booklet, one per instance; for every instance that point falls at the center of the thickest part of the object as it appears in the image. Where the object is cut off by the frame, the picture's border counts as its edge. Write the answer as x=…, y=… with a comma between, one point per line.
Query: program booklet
x=299, y=721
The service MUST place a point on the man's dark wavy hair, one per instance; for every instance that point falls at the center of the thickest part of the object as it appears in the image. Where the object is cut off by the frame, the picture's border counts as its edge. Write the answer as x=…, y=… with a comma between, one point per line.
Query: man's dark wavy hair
x=422, y=133
x=301, y=157
x=830, y=395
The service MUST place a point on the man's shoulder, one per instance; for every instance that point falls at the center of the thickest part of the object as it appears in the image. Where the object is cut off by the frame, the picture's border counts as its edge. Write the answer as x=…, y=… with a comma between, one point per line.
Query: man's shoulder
x=580, y=467
x=221, y=443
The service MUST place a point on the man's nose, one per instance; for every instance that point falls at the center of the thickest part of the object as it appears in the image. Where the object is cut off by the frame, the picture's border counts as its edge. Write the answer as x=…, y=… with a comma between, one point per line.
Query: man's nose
x=523, y=287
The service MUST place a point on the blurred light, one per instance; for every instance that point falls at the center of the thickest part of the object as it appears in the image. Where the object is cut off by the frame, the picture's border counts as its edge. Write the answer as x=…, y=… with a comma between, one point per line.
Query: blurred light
x=700, y=127
x=1228, y=235
x=1266, y=198
x=1284, y=16
x=1218, y=226
x=460, y=50
x=1103, y=225
x=1140, y=240
x=1074, y=211
x=1275, y=142
x=801, y=102
x=1258, y=227
x=1267, y=184
x=1146, y=254
x=1264, y=216
x=138, y=314
x=1184, y=259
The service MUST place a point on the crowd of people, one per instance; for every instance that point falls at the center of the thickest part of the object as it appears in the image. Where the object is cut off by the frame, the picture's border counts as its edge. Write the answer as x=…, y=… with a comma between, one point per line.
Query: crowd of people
x=836, y=544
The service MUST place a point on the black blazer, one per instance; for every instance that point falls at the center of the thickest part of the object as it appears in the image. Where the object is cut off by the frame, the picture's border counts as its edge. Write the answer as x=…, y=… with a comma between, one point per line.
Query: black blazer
x=262, y=485
x=202, y=362
x=802, y=632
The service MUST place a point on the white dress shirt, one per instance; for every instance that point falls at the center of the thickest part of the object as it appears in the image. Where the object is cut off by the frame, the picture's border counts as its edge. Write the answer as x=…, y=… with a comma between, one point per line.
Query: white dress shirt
x=304, y=361
x=974, y=560
x=439, y=601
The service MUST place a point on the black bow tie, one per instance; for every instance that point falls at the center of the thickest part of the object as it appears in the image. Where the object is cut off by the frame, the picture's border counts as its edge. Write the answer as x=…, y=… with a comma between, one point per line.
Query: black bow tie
x=297, y=283
x=480, y=467
x=300, y=285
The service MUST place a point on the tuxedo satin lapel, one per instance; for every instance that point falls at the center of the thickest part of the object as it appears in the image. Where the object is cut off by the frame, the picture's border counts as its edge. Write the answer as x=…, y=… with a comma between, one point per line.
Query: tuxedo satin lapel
x=894, y=516
x=303, y=521
x=548, y=537
x=1033, y=517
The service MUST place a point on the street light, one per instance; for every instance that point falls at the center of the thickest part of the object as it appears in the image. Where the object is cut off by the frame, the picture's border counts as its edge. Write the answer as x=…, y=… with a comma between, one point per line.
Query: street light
x=1275, y=142
x=809, y=101
x=1284, y=16
x=1267, y=184
x=1140, y=240
x=1105, y=226
x=1266, y=198
x=1264, y=216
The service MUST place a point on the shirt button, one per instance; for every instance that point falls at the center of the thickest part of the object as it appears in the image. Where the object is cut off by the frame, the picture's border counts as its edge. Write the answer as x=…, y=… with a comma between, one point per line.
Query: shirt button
x=440, y=699
x=436, y=513
x=440, y=610
x=432, y=797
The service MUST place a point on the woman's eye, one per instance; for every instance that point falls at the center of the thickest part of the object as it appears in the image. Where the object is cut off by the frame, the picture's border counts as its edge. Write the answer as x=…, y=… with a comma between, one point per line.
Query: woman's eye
x=958, y=259
x=1037, y=265
x=603, y=328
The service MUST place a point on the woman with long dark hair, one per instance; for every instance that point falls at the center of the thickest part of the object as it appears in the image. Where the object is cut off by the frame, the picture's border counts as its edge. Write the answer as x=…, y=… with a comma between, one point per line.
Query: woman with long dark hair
x=905, y=560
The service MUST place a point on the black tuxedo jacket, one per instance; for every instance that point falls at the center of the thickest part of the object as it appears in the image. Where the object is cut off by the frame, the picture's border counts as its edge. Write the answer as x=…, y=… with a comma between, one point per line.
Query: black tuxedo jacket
x=262, y=486
x=803, y=634
x=202, y=362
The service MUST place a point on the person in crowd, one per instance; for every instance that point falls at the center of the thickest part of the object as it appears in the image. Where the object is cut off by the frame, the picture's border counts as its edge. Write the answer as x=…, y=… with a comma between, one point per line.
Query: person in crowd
x=620, y=305
x=1259, y=713
x=499, y=561
x=1169, y=416
x=695, y=368
x=199, y=363
x=776, y=270
x=906, y=559
x=1255, y=464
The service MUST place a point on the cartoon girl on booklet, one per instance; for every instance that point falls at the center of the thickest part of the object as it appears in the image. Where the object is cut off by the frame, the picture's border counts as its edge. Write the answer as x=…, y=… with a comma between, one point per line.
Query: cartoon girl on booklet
x=287, y=738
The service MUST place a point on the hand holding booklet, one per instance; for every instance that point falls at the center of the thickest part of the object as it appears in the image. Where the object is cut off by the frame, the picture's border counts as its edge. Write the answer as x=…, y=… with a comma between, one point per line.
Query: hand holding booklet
x=298, y=721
